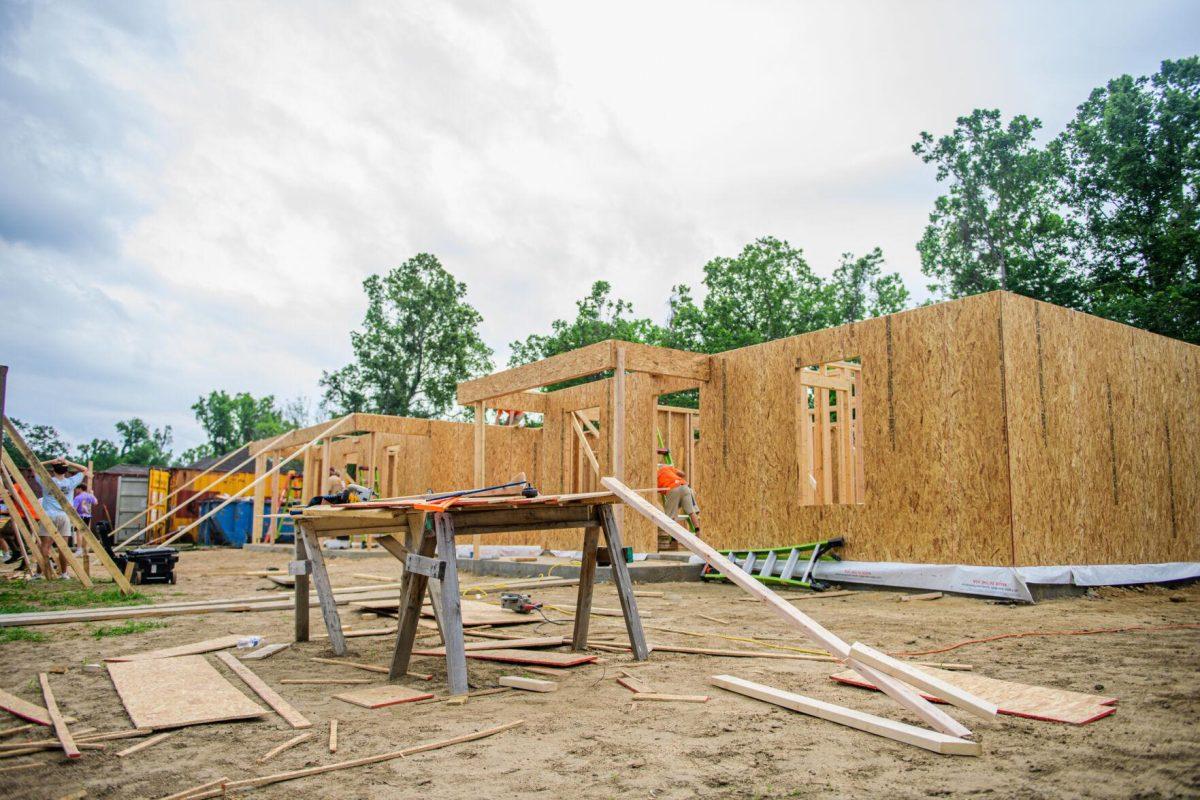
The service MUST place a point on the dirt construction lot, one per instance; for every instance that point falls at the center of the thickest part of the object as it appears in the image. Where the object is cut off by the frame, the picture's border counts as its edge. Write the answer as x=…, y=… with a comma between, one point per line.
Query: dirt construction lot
x=589, y=740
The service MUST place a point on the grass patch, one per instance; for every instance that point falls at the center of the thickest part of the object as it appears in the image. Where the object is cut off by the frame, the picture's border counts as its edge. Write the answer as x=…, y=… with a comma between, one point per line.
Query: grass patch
x=126, y=628
x=20, y=635
x=22, y=597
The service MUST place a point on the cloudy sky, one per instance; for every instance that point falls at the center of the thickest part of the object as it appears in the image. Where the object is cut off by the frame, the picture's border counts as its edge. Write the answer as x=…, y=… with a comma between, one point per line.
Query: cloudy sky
x=191, y=193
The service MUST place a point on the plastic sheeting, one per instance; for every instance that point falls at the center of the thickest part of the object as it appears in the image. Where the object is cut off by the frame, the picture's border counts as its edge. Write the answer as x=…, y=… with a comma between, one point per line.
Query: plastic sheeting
x=1007, y=582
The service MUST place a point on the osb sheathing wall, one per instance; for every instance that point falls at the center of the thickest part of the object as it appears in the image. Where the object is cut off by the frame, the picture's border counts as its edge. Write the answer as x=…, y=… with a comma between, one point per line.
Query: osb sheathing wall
x=936, y=463
x=1088, y=452
x=1104, y=435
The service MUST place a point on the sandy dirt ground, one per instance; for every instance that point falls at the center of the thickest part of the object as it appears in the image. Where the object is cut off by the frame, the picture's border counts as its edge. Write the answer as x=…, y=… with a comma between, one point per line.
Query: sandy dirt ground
x=589, y=740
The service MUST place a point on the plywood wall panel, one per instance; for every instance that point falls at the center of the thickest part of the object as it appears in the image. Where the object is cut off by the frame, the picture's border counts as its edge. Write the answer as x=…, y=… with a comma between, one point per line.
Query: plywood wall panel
x=1091, y=402
x=932, y=433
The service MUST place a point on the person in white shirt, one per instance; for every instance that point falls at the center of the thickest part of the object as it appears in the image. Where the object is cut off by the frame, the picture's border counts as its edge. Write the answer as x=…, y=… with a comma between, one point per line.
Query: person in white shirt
x=60, y=469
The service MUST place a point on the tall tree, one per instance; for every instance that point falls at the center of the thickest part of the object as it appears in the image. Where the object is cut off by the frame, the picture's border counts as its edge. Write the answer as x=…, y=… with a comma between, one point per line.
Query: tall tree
x=1131, y=174
x=769, y=291
x=44, y=440
x=598, y=317
x=862, y=290
x=137, y=443
x=419, y=338
x=232, y=420
x=999, y=226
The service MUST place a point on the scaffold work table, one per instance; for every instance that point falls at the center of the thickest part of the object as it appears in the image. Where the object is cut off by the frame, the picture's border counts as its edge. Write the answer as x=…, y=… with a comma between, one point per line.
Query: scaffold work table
x=423, y=539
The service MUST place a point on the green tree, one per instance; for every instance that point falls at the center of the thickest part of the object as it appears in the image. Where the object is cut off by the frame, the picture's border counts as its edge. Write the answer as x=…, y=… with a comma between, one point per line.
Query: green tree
x=598, y=317
x=999, y=225
x=137, y=443
x=1130, y=164
x=231, y=421
x=418, y=340
x=768, y=292
x=44, y=440
x=861, y=289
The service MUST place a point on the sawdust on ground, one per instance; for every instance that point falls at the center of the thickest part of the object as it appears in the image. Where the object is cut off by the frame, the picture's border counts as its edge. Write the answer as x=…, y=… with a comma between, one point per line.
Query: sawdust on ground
x=589, y=740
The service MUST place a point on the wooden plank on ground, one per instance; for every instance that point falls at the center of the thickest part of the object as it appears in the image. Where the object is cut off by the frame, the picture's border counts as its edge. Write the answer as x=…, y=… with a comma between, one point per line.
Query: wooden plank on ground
x=142, y=745
x=500, y=644
x=898, y=731
x=192, y=649
x=671, y=698
x=266, y=651
x=528, y=684
x=60, y=726
x=269, y=695
x=1017, y=699
x=24, y=709
x=928, y=682
x=380, y=696
x=172, y=693
x=533, y=657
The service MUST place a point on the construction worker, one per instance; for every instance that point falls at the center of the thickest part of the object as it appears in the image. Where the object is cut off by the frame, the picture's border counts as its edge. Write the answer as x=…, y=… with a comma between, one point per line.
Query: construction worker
x=84, y=501
x=60, y=469
x=674, y=485
x=334, y=482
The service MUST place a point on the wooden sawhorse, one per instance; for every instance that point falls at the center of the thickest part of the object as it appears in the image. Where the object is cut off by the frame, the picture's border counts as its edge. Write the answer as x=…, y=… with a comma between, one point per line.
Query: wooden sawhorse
x=428, y=552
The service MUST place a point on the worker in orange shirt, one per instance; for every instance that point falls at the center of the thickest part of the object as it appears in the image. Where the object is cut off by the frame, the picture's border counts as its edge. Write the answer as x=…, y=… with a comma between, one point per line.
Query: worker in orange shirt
x=674, y=485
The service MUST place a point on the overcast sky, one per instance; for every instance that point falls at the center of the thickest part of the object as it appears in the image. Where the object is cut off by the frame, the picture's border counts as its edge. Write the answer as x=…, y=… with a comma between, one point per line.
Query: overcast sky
x=191, y=193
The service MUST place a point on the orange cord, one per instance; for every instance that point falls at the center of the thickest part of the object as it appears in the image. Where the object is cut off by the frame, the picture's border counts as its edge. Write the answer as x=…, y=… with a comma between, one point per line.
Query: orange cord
x=1049, y=633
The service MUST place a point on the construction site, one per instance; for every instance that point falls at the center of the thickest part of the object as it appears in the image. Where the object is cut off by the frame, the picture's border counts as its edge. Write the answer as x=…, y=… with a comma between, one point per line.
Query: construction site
x=945, y=551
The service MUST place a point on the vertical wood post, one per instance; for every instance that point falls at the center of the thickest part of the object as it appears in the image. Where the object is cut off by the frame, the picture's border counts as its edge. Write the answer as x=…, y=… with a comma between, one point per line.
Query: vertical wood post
x=624, y=584
x=451, y=621
x=260, y=495
x=587, y=582
x=320, y=579
x=618, y=422
x=480, y=462
x=412, y=597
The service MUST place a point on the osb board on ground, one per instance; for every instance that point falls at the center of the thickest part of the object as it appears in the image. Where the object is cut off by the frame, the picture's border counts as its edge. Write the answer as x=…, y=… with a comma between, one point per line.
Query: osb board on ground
x=173, y=692
x=1015, y=699
x=380, y=696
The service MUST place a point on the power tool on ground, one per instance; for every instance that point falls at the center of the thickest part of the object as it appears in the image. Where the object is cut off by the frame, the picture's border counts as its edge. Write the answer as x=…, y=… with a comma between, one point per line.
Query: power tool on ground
x=520, y=603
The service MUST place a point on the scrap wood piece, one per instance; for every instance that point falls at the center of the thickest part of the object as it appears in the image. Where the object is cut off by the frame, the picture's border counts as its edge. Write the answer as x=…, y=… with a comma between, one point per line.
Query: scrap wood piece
x=13, y=731
x=24, y=709
x=501, y=644
x=174, y=692
x=930, y=683
x=717, y=620
x=357, y=665
x=266, y=651
x=528, y=684
x=633, y=684
x=269, y=695
x=830, y=642
x=153, y=740
x=265, y=780
x=680, y=698
x=219, y=784
x=18, y=767
x=380, y=696
x=321, y=681
x=53, y=745
x=818, y=595
x=898, y=731
x=472, y=695
x=56, y=718
x=537, y=658
x=290, y=743
x=908, y=598
x=194, y=648
x=333, y=735
x=1018, y=699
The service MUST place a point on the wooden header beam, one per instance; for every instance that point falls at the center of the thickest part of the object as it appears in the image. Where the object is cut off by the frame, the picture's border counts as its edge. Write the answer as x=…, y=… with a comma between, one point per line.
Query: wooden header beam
x=594, y=358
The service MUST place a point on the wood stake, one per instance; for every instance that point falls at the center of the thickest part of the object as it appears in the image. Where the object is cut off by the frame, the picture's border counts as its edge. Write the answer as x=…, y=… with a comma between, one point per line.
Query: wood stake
x=333, y=735
x=267, y=756
x=219, y=782
x=153, y=740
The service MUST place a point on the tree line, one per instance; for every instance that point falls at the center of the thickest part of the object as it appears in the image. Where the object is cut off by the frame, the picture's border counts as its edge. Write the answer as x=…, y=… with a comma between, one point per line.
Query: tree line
x=1104, y=218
